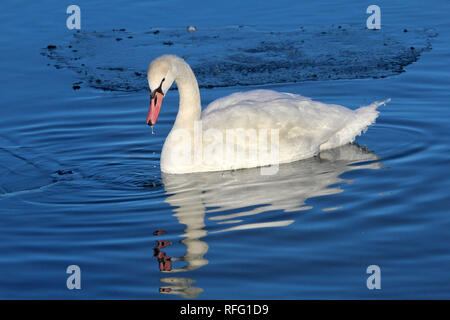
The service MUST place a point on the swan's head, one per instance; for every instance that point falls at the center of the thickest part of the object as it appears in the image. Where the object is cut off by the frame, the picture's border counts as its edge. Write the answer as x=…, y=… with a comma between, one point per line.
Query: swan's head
x=160, y=76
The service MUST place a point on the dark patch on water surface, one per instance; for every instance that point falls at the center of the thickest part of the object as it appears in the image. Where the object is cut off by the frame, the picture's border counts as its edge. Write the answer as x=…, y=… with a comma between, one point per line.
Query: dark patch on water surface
x=222, y=57
x=63, y=172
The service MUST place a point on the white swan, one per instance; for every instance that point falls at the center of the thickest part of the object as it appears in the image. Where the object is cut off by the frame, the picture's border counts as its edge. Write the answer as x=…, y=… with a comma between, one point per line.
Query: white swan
x=233, y=131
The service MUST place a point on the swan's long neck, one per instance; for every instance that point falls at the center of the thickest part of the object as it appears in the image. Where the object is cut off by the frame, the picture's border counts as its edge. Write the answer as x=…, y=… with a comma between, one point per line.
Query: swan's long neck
x=190, y=104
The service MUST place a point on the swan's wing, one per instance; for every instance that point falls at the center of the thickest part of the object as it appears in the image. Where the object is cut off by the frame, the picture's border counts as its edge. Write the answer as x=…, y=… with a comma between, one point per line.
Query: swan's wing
x=296, y=117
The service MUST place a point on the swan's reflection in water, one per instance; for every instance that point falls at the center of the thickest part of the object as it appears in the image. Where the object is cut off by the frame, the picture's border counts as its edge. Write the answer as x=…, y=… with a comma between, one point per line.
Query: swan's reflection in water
x=232, y=196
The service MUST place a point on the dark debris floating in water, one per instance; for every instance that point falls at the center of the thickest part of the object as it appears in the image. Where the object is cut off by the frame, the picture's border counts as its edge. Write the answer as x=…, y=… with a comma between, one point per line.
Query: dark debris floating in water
x=231, y=56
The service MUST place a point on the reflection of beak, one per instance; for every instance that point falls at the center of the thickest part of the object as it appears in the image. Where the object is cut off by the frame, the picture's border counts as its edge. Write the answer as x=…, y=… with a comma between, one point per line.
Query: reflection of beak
x=155, y=107
x=165, y=263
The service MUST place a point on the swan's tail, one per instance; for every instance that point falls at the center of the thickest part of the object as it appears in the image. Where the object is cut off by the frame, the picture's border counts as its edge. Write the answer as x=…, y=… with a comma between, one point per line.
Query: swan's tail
x=364, y=117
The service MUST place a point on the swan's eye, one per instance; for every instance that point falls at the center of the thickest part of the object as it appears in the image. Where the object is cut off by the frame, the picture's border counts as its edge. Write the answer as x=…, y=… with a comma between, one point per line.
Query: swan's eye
x=160, y=87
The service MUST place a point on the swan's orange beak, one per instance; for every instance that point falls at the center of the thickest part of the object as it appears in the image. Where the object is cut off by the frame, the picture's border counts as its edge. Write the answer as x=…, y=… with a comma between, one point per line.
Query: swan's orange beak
x=155, y=107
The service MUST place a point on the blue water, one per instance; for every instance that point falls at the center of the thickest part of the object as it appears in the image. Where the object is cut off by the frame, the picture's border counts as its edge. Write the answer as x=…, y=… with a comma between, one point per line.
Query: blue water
x=81, y=183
